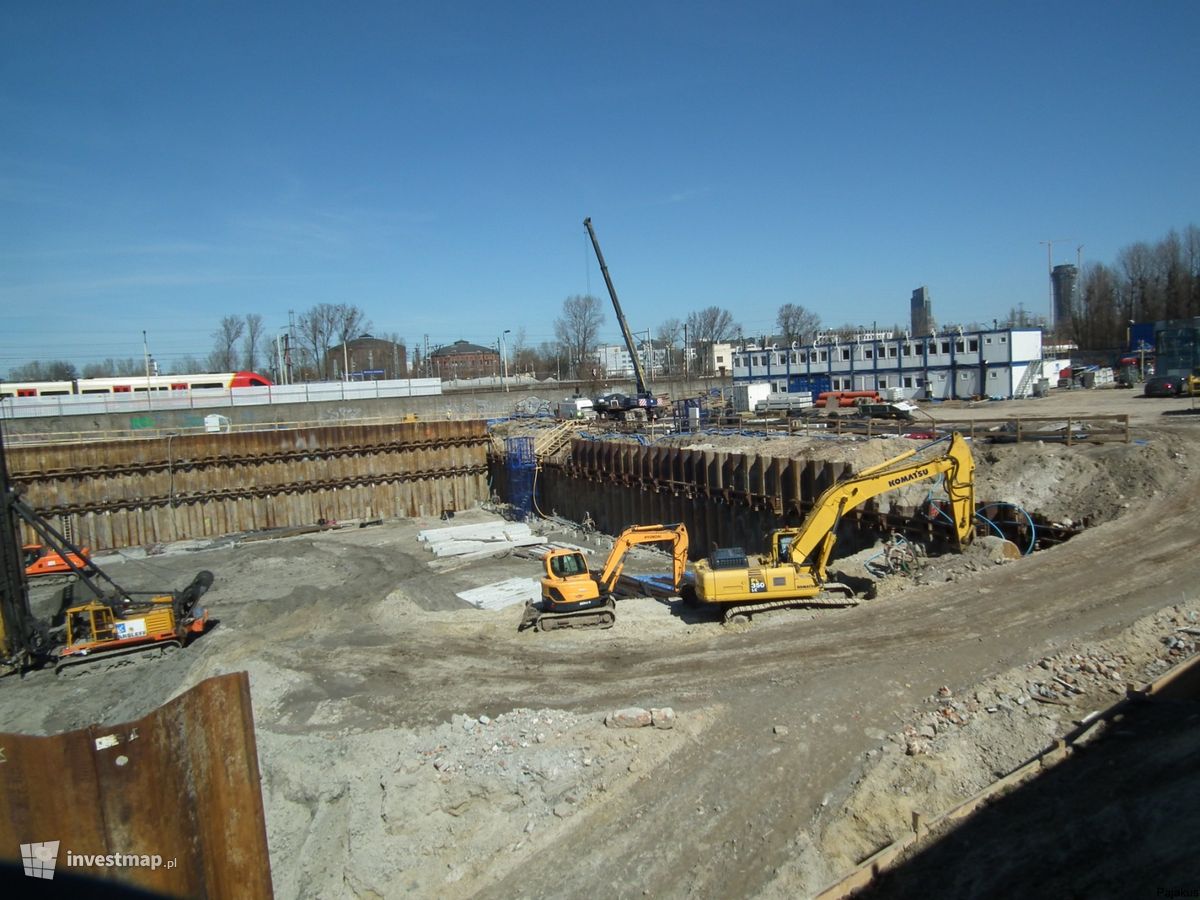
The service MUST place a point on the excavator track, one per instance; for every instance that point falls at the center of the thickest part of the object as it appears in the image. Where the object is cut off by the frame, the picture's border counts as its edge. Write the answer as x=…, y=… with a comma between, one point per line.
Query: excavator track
x=51, y=580
x=101, y=655
x=835, y=594
x=596, y=617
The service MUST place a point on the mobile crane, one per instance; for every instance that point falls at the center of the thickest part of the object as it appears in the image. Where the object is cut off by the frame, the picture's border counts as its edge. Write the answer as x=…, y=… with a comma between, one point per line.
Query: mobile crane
x=793, y=572
x=112, y=622
x=574, y=597
x=643, y=405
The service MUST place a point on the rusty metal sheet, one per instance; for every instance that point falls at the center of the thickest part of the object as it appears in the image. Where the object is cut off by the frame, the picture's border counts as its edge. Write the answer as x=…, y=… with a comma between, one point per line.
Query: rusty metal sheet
x=179, y=786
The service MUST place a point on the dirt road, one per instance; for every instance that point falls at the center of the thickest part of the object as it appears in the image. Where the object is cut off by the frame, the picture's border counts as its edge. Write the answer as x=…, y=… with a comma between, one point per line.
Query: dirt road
x=365, y=665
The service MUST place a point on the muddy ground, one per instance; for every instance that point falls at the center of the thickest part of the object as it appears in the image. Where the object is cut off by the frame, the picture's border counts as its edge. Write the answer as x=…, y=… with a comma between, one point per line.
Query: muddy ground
x=413, y=745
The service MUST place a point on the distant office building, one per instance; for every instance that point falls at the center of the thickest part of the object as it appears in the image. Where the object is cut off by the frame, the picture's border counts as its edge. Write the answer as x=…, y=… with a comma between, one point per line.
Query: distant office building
x=614, y=360
x=1064, y=280
x=922, y=312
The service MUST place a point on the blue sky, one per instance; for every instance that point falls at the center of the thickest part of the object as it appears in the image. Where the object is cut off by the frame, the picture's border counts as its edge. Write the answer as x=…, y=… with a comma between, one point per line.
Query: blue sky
x=165, y=164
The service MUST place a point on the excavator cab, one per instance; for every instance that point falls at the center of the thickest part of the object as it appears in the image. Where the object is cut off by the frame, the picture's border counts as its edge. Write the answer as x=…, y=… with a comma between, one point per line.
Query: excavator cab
x=568, y=582
x=564, y=565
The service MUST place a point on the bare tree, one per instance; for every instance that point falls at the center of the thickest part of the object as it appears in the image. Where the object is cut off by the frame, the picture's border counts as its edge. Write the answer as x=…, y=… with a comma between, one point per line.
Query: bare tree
x=51, y=370
x=1094, y=318
x=709, y=326
x=254, y=336
x=796, y=323
x=111, y=368
x=350, y=322
x=190, y=365
x=669, y=334
x=522, y=358
x=578, y=329
x=315, y=330
x=224, y=355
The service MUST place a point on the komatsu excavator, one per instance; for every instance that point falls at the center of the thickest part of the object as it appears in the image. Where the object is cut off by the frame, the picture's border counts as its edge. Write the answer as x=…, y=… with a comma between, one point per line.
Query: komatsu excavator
x=574, y=597
x=793, y=572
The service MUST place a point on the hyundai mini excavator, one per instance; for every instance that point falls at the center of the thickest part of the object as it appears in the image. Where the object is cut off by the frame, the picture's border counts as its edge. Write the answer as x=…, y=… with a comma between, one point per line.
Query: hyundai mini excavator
x=574, y=597
x=111, y=622
x=793, y=572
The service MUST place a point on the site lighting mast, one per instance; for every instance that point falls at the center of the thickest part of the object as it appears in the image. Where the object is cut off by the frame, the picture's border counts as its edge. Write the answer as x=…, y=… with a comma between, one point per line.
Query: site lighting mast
x=504, y=359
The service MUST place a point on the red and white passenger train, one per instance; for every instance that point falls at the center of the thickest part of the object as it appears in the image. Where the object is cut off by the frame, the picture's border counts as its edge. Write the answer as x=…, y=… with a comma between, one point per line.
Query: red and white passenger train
x=128, y=384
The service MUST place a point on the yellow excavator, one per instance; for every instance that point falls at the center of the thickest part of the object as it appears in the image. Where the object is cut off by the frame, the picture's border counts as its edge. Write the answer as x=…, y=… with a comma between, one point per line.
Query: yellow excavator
x=575, y=597
x=793, y=572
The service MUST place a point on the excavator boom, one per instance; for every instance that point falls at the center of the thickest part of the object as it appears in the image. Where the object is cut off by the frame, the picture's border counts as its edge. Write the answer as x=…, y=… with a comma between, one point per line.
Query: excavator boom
x=676, y=535
x=813, y=540
x=793, y=573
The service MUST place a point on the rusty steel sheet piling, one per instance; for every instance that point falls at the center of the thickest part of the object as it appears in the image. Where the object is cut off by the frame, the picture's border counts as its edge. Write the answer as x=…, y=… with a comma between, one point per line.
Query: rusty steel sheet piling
x=180, y=786
x=723, y=498
x=136, y=492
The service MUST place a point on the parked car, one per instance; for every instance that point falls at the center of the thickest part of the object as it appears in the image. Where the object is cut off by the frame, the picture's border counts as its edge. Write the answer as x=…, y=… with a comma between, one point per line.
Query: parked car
x=1164, y=386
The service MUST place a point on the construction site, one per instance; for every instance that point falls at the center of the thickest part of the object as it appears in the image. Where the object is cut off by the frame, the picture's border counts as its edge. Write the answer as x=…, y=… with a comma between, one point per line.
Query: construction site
x=538, y=658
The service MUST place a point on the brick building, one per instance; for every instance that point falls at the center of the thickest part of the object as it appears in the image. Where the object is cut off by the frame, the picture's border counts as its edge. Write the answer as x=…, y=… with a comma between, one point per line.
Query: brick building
x=368, y=358
x=464, y=360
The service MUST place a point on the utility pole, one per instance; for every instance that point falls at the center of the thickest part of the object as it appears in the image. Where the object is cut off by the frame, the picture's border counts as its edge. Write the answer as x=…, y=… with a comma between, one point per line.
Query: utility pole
x=687, y=363
x=504, y=360
x=291, y=340
x=146, y=357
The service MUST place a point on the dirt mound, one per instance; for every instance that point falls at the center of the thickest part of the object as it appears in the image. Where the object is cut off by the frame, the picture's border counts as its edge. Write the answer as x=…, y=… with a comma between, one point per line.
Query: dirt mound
x=957, y=745
x=1085, y=485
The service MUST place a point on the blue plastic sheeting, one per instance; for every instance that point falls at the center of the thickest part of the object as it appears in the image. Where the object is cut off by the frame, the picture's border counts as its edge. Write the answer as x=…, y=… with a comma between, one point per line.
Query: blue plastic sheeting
x=520, y=463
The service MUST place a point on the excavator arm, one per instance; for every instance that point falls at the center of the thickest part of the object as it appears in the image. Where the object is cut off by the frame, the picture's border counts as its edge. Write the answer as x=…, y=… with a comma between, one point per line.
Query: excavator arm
x=676, y=535
x=813, y=541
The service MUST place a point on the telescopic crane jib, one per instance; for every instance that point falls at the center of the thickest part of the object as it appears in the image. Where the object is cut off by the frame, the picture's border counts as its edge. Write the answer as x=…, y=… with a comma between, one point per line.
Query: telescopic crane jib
x=644, y=401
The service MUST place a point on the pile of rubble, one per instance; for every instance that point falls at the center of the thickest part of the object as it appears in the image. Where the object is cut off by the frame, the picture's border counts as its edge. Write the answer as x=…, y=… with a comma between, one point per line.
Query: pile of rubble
x=1082, y=676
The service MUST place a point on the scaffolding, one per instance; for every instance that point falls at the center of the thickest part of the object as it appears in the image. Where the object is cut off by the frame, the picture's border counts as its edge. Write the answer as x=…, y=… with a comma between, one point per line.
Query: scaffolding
x=520, y=463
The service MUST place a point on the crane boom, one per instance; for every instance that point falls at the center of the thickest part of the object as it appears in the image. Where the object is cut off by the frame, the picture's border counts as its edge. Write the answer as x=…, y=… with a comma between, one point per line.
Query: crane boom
x=639, y=373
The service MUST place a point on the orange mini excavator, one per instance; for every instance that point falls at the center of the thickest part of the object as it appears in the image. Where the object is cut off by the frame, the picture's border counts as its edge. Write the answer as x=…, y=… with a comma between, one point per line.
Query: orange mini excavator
x=574, y=597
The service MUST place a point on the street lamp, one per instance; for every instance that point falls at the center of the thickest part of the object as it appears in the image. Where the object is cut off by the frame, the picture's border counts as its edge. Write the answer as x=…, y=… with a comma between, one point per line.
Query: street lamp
x=504, y=360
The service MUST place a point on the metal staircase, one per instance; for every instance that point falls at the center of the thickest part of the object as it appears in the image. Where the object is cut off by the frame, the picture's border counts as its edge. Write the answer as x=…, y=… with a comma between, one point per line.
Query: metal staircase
x=1025, y=386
